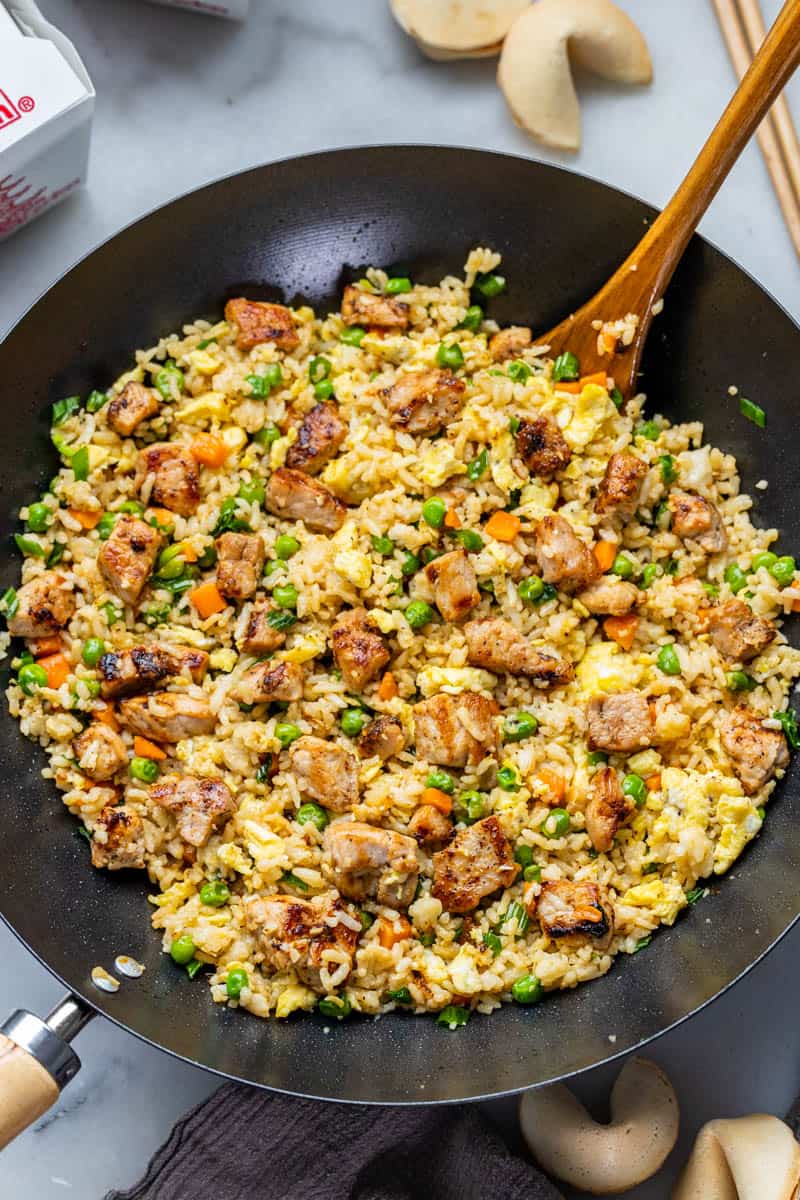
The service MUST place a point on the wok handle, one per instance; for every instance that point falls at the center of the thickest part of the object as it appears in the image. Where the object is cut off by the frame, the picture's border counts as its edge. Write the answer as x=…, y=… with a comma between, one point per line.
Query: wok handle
x=36, y=1062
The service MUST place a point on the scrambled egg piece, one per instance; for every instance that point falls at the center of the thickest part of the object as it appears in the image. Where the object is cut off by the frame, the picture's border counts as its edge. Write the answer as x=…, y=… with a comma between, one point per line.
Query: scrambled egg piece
x=211, y=406
x=97, y=456
x=223, y=659
x=503, y=473
x=293, y=997
x=664, y=897
x=592, y=407
x=232, y=856
x=354, y=566
x=279, y=449
x=203, y=362
x=464, y=972
x=340, y=478
x=739, y=822
x=605, y=668
x=537, y=500
x=437, y=463
x=454, y=679
x=304, y=649
x=174, y=896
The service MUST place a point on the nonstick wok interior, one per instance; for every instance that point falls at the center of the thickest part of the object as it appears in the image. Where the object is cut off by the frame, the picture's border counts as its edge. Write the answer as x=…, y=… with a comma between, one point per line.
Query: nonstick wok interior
x=298, y=229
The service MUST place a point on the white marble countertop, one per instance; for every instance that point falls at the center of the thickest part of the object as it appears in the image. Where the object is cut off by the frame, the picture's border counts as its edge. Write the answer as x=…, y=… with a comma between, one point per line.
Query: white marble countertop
x=183, y=99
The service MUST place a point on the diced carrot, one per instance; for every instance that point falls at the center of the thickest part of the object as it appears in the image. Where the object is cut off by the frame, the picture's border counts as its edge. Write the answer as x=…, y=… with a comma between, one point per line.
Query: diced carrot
x=438, y=799
x=571, y=386
x=45, y=645
x=552, y=782
x=87, y=520
x=653, y=782
x=142, y=748
x=392, y=932
x=188, y=552
x=387, y=688
x=604, y=553
x=57, y=669
x=599, y=377
x=503, y=526
x=622, y=630
x=208, y=599
x=795, y=606
x=452, y=519
x=607, y=343
x=209, y=449
x=106, y=716
x=162, y=515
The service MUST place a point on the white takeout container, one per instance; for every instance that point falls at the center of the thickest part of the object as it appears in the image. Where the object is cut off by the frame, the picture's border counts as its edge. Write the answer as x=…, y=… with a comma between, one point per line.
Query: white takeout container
x=236, y=10
x=46, y=108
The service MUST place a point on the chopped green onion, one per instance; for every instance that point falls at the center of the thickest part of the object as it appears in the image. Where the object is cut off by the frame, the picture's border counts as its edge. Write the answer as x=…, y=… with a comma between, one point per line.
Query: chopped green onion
x=453, y=1016
x=281, y=619
x=669, y=471
x=478, y=466
x=401, y=996
x=29, y=546
x=595, y=757
x=788, y=722
x=519, y=371
x=292, y=880
x=352, y=335
x=527, y=990
x=79, y=462
x=740, y=681
x=696, y=894
x=490, y=285
x=450, y=355
x=169, y=380
x=617, y=398
x=258, y=386
x=753, y=412
x=515, y=912
x=492, y=942
x=643, y=943
x=63, y=409
x=9, y=602
x=566, y=367
x=194, y=967
x=96, y=401
x=335, y=1006
x=398, y=285
x=473, y=319
x=649, y=430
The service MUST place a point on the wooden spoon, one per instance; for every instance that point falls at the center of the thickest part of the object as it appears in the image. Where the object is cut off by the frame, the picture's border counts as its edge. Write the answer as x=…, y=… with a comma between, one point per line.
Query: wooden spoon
x=641, y=281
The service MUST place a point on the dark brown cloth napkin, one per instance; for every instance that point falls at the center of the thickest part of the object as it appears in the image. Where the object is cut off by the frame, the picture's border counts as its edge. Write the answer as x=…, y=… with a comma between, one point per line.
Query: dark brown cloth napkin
x=244, y=1144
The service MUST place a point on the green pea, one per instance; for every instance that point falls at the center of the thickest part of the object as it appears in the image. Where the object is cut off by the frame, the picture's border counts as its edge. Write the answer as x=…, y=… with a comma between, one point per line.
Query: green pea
x=668, y=660
x=258, y=386
x=383, y=545
x=267, y=434
x=182, y=950
x=105, y=526
x=649, y=573
x=507, y=779
x=95, y=401
x=352, y=335
x=433, y=512
x=215, y=893
x=236, y=982
x=566, y=367
x=29, y=546
x=253, y=491
x=472, y=805
x=133, y=507
x=478, y=466
x=208, y=557
x=523, y=855
x=338, y=1007
x=765, y=559
x=273, y=566
x=323, y=390
x=469, y=539
x=740, y=681
x=441, y=780
x=518, y=726
x=285, y=595
x=622, y=566
x=169, y=380
x=473, y=319
x=531, y=589
x=532, y=874
x=648, y=430
x=286, y=733
x=352, y=721
x=38, y=518
x=519, y=371
x=273, y=375
x=450, y=355
x=418, y=614
x=410, y=564
x=31, y=677
x=93, y=650
x=782, y=571
x=146, y=770
x=527, y=990
x=490, y=285
x=398, y=285
x=762, y=812
x=735, y=577
x=312, y=814
x=319, y=368
x=635, y=787
x=556, y=824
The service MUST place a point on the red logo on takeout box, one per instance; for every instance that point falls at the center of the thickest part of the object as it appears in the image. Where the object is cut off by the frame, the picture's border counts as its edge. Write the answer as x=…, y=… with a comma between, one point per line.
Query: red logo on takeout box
x=11, y=112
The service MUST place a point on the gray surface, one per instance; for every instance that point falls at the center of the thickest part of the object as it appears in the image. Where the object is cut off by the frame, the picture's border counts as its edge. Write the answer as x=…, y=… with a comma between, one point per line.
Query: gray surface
x=184, y=99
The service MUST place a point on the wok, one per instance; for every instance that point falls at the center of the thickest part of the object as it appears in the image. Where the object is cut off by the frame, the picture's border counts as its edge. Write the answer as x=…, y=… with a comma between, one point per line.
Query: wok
x=301, y=229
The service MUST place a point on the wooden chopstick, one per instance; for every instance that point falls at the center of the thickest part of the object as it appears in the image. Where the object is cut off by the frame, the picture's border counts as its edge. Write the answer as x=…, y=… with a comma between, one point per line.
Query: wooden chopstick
x=785, y=179
x=784, y=126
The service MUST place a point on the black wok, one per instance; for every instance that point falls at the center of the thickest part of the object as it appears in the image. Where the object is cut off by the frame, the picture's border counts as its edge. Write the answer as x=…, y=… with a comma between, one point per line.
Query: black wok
x=300, y=229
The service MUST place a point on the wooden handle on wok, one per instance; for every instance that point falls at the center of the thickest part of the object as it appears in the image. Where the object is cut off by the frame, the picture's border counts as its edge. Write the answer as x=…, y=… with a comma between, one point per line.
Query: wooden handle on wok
x=26, y=1090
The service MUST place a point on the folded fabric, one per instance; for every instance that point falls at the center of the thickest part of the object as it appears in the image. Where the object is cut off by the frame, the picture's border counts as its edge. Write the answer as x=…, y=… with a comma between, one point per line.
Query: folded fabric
x=245, y=1144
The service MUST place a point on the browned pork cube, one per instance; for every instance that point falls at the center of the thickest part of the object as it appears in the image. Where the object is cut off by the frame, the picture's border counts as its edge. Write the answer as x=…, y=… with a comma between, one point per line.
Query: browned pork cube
x=44, y=605
x=201, y=806
x=542, y=447
x=316, y=938
x=478, y=861
x=100, y=751
x=424, y=401
x=258, y=635
x=610, y=596
x=698, y=519
x=510, y=342
x=295, y=496
x=576, y=909
x=737, y=632
x=325, y=771
x=144, y=667
x=371, y=309
x=259, y=321
x=134, y=404
x=455, y=731
x=455, y=586
x=429, y=826
x=128, y=557
x=620, y=723
x=564, y=559
x=756, y=753
x=382, y=738
x=608, y=808
x=168, y=716
x=620, y=486
x=174, y=475
x=118, y=839
x=318, y=438
x=499, y=646
x=239, y=565
x=368, y=863
x=268, y=681
x=358, y=648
